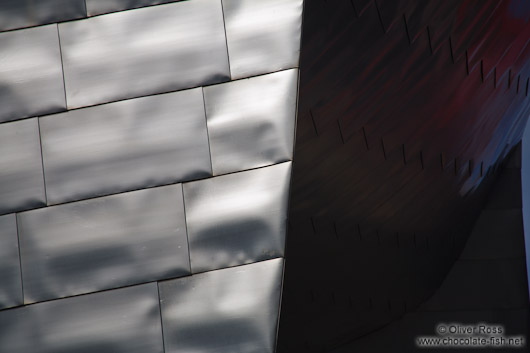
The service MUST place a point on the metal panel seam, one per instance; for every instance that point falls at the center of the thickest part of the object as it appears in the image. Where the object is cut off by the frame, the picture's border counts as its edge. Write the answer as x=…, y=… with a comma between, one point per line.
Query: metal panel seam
x=226, y=40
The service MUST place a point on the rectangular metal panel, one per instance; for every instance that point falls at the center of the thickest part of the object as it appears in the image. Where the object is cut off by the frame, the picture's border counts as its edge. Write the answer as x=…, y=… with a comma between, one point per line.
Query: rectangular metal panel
x=230, y=310
x=263, y=36
x=140, y=52
x=98, y=7
x=124, y=146
x=103, y=243
x=21, y=178
x=26, y=13
x=10, y=281
x=237, y=218
x=31, y=75
x=251, y=122
x=119, y=321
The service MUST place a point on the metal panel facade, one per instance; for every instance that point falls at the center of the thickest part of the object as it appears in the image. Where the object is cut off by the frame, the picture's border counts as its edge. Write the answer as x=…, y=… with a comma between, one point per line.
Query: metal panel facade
x=124, y=146
x=98, y=7
x=103, y=243
x=21, y=178
x=144, y=51
x=10, y=283
x=251, y=122
x=230, y=310
x=31, y=78
x=120, y=321
x=237, y=218
x=263, y=36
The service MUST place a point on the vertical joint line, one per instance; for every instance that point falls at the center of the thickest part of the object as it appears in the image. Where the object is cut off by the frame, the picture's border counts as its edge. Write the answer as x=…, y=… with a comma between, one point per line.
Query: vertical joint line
x=19, y=258
x=451, y=49
x=430, y=41
x=207, y=132
x=422, y=161
x=42, y=163
x=313, y=120
x=161, y=321
x=518, y=81
x=407, y=29
x=482, y=71
x=340, y=131
x=62, y=66
x=365, y=139
x=383, y=147
x=186, y=224
x=226, y=39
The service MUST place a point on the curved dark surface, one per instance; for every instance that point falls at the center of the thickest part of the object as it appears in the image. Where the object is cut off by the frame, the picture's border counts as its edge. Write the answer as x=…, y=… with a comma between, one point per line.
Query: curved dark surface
x=406, y=111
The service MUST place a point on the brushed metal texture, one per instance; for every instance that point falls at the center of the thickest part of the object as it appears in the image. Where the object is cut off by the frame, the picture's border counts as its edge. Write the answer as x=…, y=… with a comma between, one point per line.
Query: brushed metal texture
x=237, y=218
x=230, y=310
x=31, y=75
x=251, y=122
x=144, y=51
x=125, y=145
x=10, y=283
x=25, y=13
x=98, y=7
x=103, y=243
x=21, y=177
x=124, y=320
x=263, y=36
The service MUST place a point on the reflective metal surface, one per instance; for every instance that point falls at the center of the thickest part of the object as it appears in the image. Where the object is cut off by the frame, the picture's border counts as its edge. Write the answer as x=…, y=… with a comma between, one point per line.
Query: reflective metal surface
x=126, y=145
x=263, y=36
x=10, y=281
x=144, y=51
x=237, y=218
x=21, y=178
x=251, y=122
x=25, y=13
x=230, y=310
x=97, y=7
x=103, y=243
x=120, y=321
x=31, y=79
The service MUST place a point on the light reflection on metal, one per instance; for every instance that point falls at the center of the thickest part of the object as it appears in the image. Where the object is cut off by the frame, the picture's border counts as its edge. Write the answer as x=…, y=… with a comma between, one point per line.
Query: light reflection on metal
x=224, y=311
x=103, y=243
x=124, y=146
x=98, y=7
x=119, y=321
x=31, y=80
x=251, y=122
x=263, y=36
x=21, y=178
x=237, y=218
x=144, y=51
x=10, y=283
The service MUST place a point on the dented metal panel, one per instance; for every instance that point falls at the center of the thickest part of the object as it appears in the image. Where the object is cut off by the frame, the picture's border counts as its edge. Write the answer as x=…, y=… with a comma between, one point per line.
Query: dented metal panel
x=144, y=51
x=230, y=310
x=119, y=321
x=103, y=243
x=124, y=146
x=26, y=13
x=10, y=283
x=31, y=79
x=251, y=122
x=263, y=36
x=98, y=7
x=237, y=218
x=21, y=178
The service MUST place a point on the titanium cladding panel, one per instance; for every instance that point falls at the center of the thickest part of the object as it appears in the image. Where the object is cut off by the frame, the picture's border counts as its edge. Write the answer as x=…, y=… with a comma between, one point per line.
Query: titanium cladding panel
x=25, y=13
x=31, y=76
x=263, y=35
x=124, y=146
x=251, y=121
x=21, y=179
x=225, y=311
x=10, y=281
x=120, y=321
x=97, y=7
x=140, y=52
x=103, y=243
x=237, y=218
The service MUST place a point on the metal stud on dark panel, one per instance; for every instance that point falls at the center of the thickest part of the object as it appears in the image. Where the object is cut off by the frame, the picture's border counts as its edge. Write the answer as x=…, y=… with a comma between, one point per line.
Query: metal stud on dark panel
x=251, y=122
x=21, y=178
x=103, y=243
x=144, y=51
x=230, y=310
x=119, y=321
x=125, y=146
x=10, y=283
x=26, y=13
x=263, y=36
x=237, y=218
x=31, y=76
